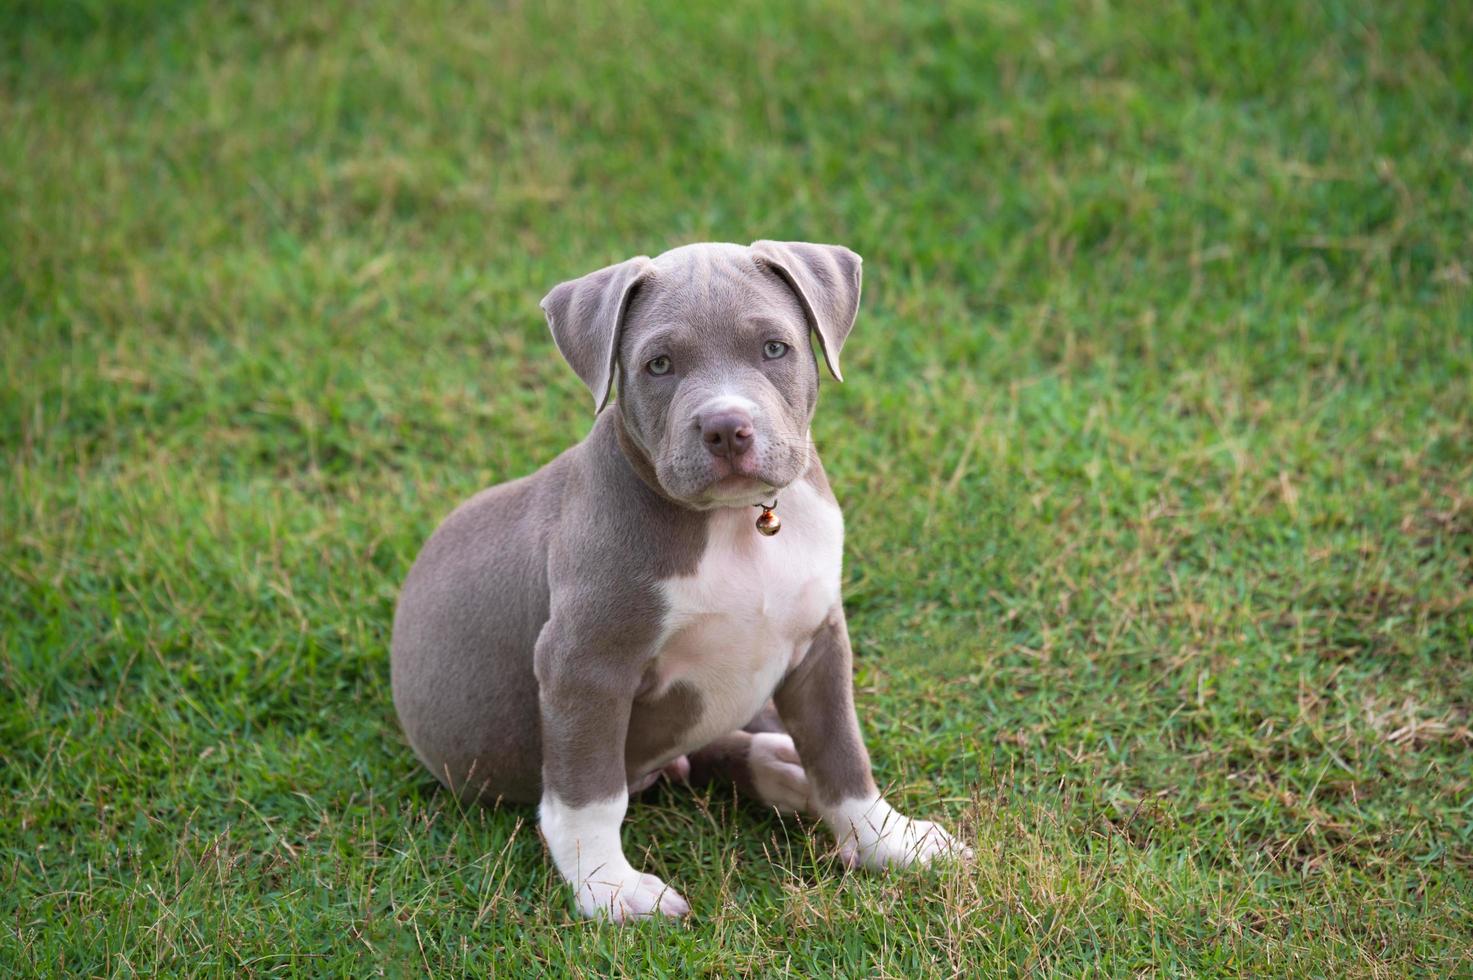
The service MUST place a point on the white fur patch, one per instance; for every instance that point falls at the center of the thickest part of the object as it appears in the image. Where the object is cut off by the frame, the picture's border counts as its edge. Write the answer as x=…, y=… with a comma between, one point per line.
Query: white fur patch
x=727, y=401
x=748, y=613
x=873, y=835
x=584, y=844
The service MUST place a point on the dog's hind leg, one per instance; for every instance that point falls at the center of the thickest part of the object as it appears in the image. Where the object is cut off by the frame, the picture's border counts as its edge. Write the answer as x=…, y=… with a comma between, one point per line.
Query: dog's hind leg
x=763, y=766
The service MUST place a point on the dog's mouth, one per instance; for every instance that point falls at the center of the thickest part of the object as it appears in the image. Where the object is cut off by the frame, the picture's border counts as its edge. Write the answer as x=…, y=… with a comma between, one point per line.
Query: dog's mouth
x=736, y=483
x=706, y=481
x=733, y=483
x=737, y=490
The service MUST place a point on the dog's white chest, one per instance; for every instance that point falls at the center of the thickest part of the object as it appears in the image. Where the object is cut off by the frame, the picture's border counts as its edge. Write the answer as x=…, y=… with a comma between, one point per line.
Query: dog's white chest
x=748, y=613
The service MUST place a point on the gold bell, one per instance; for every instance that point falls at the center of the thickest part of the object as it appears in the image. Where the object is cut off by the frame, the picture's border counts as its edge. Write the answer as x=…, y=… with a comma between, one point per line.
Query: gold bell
x=768, y=522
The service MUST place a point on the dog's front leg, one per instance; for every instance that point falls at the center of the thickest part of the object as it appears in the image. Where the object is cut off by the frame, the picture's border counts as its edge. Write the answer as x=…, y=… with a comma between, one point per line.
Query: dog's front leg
x=816, y=702
x=585, y=703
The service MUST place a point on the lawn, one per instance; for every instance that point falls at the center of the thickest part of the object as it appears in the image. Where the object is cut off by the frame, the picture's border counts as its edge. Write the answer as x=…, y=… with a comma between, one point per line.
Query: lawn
x=1156, y=449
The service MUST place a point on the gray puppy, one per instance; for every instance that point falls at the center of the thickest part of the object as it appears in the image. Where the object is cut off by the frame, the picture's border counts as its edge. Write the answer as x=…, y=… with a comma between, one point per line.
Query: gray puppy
x=568, y=637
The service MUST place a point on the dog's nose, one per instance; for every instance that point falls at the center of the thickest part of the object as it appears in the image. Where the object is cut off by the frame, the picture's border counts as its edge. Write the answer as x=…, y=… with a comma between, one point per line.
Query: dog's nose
x=727, y=433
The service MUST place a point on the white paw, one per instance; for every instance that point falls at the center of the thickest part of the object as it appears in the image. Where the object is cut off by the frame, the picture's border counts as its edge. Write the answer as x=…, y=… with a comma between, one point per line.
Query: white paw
x=777, y=773
x=624, y=895
x=873, y=835
x=584, y=844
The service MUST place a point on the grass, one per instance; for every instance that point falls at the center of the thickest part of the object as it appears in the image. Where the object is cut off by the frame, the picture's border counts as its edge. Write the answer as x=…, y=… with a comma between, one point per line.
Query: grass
x=1156, y=451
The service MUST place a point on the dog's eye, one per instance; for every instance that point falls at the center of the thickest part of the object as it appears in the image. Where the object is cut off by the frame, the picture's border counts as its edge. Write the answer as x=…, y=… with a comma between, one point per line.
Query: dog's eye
x=774, y=349
x=659, y=365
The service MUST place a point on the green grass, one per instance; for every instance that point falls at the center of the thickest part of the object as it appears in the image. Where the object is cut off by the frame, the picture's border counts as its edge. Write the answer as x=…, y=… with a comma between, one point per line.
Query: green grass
x=1156, y=451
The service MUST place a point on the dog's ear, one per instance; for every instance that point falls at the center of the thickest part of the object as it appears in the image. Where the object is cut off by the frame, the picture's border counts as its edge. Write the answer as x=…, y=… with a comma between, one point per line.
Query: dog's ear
x=586, y=317
x=827, y=280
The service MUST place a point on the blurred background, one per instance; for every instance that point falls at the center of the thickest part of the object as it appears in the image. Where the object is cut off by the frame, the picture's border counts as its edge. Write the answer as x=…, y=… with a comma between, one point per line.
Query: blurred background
x=1155, y=451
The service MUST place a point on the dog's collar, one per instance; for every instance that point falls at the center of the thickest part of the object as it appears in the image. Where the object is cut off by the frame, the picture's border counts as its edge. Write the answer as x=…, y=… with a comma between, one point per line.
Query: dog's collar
x=768, y=523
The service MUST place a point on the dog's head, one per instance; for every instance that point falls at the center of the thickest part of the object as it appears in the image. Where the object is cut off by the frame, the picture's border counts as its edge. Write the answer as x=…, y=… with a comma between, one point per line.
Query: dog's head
x=710, y=347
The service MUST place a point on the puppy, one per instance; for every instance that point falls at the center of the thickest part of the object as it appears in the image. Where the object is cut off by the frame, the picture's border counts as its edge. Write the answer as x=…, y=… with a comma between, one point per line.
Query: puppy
x=568, y=637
